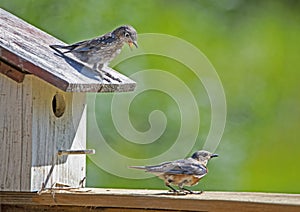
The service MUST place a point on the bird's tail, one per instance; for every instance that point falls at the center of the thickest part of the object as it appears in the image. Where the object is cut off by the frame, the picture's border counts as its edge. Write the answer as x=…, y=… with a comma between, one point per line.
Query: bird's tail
x=58, y=47
x=138, y=167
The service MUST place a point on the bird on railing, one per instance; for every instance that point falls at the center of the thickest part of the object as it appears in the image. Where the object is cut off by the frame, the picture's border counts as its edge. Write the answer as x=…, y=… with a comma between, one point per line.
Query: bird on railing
x=184, y=172
x=99, y=51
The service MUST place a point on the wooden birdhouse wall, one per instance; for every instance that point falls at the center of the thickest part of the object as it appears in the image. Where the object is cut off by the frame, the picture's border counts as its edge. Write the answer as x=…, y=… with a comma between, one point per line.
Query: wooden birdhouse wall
x=51, y=133
x=15, y=131
x=34, y=134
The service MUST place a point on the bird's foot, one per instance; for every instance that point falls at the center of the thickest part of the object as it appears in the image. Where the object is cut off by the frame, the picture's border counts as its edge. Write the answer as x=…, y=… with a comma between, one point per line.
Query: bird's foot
x=178, y=192
x=187, y=191
x=103, y=76
x=195, y=192
x=111, y=76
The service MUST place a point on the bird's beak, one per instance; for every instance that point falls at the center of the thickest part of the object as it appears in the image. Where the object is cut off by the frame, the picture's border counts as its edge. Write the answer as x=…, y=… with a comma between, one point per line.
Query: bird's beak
x=214, y=156
x=132, y=43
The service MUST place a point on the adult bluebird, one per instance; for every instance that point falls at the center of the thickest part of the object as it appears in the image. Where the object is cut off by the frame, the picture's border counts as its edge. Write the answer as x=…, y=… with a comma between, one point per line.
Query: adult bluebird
x=184, y=172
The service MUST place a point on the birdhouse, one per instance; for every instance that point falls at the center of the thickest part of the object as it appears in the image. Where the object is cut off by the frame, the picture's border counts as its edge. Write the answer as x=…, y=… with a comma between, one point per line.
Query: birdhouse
x=43, y=109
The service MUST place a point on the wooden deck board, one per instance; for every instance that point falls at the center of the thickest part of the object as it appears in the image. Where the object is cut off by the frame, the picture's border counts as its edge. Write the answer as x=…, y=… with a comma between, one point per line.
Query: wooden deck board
x=155, y=200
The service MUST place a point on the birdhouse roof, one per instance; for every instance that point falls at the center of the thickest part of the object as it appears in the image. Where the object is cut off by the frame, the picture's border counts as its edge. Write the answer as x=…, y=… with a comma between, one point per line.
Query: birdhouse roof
x=24, y=49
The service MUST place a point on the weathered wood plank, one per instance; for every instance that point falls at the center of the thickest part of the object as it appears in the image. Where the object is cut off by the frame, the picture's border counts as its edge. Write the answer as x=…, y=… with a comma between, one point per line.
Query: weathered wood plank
x=45, y=208
x=11, y=110
x=26, y=140
x=27, y=48
x=157, y=200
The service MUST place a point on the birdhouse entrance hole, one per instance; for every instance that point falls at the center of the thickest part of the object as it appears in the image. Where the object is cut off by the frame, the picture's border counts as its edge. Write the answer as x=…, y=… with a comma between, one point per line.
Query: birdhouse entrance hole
x=58, y=105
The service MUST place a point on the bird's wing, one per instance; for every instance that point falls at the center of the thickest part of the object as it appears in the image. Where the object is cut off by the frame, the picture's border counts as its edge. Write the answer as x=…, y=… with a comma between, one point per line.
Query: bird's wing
x=184, y=166
x=88, y=45
x=189, y=167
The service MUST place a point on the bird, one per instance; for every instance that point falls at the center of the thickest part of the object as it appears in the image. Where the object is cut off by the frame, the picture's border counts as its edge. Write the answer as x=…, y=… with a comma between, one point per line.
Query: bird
x=99, y=51
x=183, y=172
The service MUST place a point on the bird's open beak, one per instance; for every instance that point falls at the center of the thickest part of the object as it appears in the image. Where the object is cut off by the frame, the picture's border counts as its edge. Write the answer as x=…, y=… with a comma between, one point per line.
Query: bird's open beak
x=214, y=156
x=132, y=43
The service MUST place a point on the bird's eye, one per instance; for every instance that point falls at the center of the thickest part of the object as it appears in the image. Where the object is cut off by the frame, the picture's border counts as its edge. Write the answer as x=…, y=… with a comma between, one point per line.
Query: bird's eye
x=126, y=34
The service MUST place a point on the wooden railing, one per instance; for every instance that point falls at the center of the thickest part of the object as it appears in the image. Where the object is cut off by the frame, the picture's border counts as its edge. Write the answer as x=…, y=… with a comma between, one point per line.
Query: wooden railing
x=87, y=199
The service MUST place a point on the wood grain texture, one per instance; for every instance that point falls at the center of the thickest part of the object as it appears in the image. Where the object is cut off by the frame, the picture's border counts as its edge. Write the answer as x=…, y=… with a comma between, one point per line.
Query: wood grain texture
x=34, y=208
x=26, y=47
x=15, y=140
x=130, y=200
x=26, y=138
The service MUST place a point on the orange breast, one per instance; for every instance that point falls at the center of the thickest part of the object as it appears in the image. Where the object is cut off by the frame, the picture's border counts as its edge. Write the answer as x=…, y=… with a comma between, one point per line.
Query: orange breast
x=180, y=179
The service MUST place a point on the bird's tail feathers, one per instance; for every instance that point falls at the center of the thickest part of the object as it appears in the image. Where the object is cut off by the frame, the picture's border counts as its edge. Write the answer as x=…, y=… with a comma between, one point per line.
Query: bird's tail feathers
x=138, y=167
x=57, y=47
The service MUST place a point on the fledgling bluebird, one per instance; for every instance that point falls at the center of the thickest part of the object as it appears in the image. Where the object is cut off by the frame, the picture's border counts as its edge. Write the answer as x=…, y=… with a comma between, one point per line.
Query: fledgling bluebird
x=99, y=51
x=184, y=172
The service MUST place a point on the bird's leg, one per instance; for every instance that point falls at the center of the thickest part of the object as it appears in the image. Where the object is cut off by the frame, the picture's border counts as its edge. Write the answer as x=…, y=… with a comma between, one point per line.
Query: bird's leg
x=172, y=189
x=98, y=68
x=106, y=73
x=95, y=67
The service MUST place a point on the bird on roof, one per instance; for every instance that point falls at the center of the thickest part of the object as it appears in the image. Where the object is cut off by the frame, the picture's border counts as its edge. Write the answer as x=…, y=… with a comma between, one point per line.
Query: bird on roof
x=183, y=172
x=99, y=51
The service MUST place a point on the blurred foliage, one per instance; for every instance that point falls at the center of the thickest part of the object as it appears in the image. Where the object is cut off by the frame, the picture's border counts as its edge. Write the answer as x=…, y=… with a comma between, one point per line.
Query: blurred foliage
x=255, y=48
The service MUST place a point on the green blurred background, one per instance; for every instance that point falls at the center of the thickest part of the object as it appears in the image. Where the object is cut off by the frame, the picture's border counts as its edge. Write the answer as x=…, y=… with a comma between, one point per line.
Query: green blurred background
x=255, y=49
